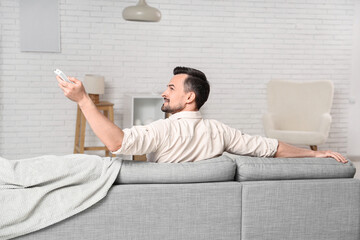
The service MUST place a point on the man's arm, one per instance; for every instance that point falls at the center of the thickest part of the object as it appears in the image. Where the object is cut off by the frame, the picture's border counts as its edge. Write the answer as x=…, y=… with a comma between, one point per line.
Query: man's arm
x=285, y=150
x=110, y=134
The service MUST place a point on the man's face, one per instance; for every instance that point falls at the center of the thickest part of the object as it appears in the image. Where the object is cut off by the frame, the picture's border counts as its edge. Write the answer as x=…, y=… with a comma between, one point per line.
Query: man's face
x=175, y=96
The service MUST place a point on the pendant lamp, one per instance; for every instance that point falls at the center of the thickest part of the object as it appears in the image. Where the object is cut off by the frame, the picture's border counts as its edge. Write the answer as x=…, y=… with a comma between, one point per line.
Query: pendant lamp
x=141, y=12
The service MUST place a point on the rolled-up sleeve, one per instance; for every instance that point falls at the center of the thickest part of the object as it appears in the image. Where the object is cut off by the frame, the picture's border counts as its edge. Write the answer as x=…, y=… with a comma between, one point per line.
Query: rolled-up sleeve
x=237, y=142
x=138, y=140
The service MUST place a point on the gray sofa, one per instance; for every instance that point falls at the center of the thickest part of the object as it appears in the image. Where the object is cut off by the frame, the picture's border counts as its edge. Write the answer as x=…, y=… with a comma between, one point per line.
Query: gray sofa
x=230, y=197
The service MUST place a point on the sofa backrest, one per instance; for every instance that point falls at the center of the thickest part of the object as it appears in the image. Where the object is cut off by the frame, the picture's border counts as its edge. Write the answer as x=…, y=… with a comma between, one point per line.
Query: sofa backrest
x=259, y=169
x=218, y=169
x=229, y=167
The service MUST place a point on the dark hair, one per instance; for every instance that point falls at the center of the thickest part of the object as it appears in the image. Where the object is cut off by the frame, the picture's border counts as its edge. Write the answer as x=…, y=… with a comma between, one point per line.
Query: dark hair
x=195, y=82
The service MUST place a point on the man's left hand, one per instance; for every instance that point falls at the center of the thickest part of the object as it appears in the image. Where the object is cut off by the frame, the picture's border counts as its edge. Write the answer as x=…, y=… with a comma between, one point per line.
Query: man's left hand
x=337, y=156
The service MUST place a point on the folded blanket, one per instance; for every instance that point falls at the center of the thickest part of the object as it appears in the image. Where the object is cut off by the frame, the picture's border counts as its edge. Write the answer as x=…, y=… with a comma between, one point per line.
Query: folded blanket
x=38, y=192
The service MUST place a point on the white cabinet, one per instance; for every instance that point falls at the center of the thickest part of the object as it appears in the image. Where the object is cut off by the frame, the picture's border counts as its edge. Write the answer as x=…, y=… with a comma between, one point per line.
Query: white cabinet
x=143, y=109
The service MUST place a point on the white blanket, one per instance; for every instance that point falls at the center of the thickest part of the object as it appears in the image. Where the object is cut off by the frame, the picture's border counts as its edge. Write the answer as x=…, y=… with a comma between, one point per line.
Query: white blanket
x=38, y=192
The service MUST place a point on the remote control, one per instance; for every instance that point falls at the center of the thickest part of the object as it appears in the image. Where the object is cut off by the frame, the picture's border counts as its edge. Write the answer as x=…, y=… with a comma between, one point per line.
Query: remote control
x=62, y=75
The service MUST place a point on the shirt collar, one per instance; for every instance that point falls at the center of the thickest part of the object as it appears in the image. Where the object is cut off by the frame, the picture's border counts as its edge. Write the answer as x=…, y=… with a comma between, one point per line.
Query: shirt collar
x=186, y=115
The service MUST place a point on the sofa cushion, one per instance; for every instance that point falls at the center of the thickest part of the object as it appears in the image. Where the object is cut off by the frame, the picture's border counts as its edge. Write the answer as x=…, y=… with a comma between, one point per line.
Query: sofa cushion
x=257, y=169
x=212, y=170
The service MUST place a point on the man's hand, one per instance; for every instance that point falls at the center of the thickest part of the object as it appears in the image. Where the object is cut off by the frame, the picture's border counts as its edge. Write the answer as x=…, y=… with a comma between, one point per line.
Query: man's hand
x=110, y=134
x=337, y=156
x=287, y=150
x=75, y=92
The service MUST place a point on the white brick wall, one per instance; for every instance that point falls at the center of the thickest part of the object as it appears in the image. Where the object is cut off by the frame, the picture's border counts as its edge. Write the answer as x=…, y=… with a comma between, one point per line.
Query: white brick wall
x=354, y=107
x=240, y=45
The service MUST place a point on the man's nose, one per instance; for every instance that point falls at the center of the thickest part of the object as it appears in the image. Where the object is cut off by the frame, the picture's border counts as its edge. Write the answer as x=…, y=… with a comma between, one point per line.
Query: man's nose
x=163, y=94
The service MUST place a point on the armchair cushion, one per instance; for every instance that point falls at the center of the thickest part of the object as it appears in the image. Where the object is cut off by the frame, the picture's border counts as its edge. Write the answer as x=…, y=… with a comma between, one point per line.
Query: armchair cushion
x=298, y=137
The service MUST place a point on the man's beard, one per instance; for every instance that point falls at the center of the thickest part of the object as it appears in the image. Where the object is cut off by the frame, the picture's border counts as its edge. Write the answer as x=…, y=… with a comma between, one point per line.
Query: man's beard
x=168, y=109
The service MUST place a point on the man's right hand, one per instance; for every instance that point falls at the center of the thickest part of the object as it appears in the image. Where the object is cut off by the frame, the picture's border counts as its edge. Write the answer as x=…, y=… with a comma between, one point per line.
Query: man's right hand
x=74, y=91
x=110, y=134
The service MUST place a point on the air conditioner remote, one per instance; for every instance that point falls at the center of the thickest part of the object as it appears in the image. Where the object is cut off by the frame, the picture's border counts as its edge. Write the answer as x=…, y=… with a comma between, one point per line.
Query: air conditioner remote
x=62, y=75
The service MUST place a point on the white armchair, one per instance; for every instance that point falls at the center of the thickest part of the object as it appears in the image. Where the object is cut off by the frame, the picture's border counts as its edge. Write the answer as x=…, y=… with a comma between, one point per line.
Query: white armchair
x=299, y=112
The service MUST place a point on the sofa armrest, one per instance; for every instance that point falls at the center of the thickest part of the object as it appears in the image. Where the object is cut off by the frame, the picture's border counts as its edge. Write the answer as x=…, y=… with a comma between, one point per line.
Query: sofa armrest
x=259, y=169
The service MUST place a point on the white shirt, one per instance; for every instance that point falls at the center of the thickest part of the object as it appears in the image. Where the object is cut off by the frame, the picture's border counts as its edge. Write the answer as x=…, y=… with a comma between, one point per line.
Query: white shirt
x=187, y=137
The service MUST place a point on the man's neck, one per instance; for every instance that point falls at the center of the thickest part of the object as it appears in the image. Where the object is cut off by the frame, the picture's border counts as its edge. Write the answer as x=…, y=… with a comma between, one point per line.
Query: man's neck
x=188, y=108
x=193, y=110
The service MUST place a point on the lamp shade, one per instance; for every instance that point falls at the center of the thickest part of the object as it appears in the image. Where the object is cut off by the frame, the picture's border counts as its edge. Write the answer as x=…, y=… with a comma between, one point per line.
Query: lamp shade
x=141, y=12
x=94, y=84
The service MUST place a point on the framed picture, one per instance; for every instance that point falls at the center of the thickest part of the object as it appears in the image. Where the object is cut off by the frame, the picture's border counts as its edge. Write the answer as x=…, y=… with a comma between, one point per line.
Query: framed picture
x=39, y=26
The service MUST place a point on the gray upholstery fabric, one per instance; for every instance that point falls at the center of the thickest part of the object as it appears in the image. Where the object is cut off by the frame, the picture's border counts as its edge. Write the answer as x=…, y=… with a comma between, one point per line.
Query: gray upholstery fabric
x=298, y=210
x=315, y=209
x=212, y=170
x=257, y=169
x=153, y=211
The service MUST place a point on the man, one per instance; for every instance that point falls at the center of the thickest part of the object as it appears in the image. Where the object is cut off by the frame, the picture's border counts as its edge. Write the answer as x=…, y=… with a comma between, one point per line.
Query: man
x=184, y=136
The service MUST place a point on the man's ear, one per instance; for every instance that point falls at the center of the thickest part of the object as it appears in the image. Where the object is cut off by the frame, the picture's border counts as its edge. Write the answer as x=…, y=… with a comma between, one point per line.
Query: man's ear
x=191, y=97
